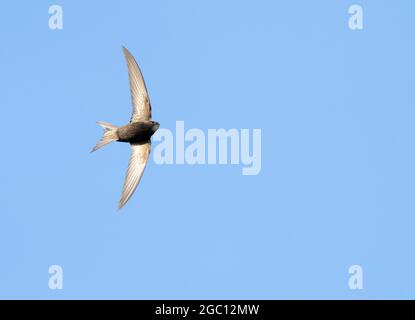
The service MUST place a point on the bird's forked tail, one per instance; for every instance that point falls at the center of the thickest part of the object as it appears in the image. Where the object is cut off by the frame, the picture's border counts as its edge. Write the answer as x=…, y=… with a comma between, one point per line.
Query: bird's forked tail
x=110, y=135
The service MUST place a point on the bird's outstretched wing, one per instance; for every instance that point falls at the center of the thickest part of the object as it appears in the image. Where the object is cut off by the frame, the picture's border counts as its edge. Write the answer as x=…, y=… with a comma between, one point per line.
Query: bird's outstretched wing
x=139, y=96
x=136, y=166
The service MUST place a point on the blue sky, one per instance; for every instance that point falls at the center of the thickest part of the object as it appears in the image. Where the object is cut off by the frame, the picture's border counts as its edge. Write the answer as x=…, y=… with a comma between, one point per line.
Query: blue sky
x=336, y=110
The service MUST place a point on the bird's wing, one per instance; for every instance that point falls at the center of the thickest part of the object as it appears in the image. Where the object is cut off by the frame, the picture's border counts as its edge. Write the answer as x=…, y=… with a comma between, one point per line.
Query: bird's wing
x=136, y=166
x=139, y=95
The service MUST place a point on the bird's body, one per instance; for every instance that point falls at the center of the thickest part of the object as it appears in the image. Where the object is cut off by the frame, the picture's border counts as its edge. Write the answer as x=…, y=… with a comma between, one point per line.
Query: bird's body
x=138, y=132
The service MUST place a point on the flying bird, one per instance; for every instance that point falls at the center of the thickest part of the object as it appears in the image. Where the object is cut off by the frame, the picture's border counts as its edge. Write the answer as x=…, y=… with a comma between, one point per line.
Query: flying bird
x=137, y=133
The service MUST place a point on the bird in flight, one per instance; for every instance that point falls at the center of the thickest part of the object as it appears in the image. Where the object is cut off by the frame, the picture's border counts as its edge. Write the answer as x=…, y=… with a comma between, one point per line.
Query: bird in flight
x=137, y=133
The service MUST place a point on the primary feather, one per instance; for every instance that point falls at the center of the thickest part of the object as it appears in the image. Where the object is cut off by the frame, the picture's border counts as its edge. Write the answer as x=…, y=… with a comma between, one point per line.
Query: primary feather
x=139, y=96
x=136, y=166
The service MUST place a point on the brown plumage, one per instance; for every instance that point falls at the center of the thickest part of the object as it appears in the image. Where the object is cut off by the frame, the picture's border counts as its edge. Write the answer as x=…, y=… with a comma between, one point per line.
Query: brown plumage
x=138, y=132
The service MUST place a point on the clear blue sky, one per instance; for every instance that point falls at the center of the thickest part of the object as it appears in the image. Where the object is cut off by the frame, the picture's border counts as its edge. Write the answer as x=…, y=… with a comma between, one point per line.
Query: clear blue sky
x=337, y=185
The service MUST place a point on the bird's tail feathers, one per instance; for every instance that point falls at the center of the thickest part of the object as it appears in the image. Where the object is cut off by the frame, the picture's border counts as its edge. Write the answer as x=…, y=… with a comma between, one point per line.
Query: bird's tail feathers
x=110, y=135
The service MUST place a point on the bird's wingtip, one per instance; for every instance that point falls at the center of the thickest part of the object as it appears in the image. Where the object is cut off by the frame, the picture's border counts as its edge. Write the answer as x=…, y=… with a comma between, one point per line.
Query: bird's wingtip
x=121, y=204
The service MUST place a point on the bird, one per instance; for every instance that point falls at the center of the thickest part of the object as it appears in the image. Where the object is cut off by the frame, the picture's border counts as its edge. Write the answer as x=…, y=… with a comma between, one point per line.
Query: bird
x=137, y=132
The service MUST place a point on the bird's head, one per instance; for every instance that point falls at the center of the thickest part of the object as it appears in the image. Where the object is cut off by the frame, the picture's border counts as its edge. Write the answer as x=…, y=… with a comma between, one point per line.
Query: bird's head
x=154, y=126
